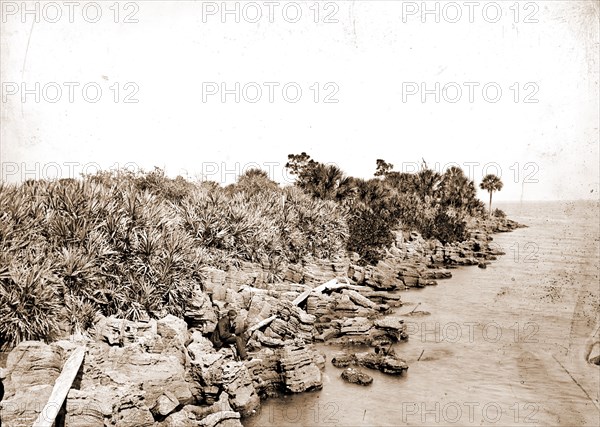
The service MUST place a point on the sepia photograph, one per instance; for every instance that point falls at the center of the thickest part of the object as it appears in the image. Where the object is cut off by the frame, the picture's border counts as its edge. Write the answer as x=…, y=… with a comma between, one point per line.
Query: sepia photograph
x=345, y=213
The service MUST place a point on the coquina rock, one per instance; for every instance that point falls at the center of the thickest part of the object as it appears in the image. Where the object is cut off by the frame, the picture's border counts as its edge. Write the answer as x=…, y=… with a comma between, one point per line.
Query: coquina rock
x=386, y=363
x=31, y=369
x=219, y=414
x=318, y=271
x=134, y=374
x=266, y=373
x=356, y=376
x=237, y=383
x=300, y=372
x=383, y=276
x=200, y=312
x=383, y=361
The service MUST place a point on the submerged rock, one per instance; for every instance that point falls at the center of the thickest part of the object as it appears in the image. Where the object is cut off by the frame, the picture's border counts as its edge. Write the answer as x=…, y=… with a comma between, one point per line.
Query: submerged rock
x=343, y=360
x=386, y=363
x=356, y=376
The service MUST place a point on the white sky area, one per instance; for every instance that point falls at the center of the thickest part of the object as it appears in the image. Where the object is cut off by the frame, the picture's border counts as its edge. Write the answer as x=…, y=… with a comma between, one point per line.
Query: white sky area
x=546, y=150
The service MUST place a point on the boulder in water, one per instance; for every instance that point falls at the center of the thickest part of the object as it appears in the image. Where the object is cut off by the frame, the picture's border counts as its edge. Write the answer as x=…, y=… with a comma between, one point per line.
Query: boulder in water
x=356, y=376
x=386, y=363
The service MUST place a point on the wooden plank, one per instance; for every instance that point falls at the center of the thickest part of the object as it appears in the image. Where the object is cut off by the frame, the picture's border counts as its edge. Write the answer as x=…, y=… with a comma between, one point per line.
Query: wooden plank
x=302, y=297
x=332, y=284
x=325, y=285
x=61, y=389
x=337, y=286
x=262, y=323
x=359, y=288
x=254, y=290
x=328, y=285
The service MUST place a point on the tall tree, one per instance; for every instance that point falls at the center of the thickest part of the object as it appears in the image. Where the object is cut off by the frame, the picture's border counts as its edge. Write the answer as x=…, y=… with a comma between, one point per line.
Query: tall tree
x=491, y=183
x=299, y=164
x=324, y=181
x=456, y=189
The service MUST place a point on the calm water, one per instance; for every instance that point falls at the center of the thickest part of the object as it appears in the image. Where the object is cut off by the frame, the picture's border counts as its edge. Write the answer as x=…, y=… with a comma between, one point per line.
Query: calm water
x=502, y=346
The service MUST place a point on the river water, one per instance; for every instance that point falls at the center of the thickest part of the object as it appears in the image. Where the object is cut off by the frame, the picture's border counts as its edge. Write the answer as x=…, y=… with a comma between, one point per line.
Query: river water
x=502, y=345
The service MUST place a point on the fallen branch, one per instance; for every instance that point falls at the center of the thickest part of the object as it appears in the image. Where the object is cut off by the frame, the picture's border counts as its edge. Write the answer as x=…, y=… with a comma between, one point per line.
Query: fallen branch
x=332, y=284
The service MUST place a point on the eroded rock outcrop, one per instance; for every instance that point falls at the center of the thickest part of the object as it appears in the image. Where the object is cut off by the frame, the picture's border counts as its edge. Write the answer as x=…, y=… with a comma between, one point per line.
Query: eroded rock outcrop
x=383, y=360
x=156, y=373
x=31, y=369
x=373, y=332
x=356, y=376
x=299, y=370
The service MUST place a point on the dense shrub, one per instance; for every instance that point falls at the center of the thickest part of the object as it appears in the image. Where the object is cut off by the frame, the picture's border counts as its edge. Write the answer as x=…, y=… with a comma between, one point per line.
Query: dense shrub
x=434, y=204
x=135, y=245
x=29, y=300
x=370, y=234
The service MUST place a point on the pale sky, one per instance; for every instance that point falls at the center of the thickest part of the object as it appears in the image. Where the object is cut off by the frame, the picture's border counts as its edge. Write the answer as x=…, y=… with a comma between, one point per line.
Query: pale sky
x=545, y=150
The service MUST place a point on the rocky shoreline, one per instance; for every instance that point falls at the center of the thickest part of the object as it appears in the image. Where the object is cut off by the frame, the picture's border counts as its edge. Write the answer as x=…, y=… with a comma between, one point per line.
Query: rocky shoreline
x=167, y=373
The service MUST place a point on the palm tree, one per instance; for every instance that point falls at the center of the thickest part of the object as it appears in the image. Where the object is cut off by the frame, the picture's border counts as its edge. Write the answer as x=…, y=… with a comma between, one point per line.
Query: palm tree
x=326, y=182
x=427, y=182
x=491, y=183
x=456, y=189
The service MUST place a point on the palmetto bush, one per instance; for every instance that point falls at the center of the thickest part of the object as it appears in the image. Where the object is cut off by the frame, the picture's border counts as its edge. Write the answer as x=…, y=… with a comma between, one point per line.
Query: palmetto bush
x=135, y=245
x=312, y=227
x=280, y=225
x=30, y=303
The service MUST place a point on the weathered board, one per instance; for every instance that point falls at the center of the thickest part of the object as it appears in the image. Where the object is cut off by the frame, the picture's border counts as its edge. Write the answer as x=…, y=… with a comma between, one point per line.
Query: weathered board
x=61, y=389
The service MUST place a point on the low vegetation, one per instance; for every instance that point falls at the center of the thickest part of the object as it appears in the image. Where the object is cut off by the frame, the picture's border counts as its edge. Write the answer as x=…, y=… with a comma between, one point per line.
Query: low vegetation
x=136, y=244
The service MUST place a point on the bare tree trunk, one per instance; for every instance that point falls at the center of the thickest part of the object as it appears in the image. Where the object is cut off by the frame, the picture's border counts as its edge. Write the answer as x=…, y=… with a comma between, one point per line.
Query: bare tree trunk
x=490, y=204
